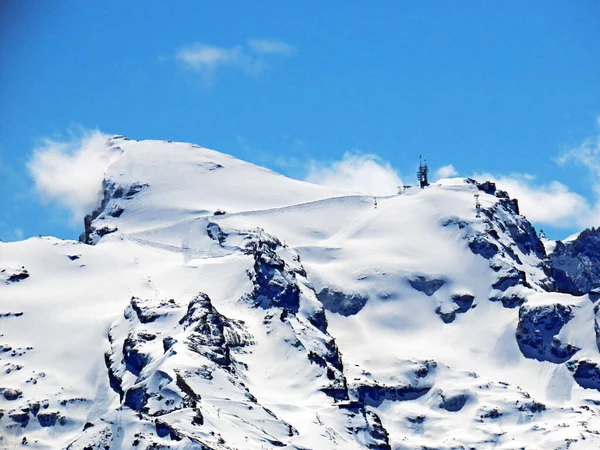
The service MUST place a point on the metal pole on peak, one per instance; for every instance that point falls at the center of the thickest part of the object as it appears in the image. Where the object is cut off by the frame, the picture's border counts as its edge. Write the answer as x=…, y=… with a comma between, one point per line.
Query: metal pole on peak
x=422, y=173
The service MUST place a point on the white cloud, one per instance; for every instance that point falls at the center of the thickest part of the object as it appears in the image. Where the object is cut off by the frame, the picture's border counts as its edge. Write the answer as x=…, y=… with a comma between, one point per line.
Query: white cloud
x=70, y=173
x=270, y=46
x=547, y=204
x=359, y=173
x=587, y=154
x=446, y=172
x=206, y=59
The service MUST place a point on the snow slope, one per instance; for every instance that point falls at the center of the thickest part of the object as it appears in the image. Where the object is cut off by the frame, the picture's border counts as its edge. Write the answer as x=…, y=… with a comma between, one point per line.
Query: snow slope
x=225, y=306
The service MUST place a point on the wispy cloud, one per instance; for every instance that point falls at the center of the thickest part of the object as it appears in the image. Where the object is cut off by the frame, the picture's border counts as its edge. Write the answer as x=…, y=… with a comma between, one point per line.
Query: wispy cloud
x=251, y=58
x=70, y=172
x=587, y=154
x=358, y=173
x=270, y=46
x=446, y=172
x=545, y=204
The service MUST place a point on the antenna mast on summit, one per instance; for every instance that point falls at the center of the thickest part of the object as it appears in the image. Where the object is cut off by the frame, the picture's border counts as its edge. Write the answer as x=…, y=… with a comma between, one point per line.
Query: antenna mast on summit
x=422, y=173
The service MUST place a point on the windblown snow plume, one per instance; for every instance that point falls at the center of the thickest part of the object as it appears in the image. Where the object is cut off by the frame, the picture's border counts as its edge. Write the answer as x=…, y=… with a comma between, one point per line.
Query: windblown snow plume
x=357, y=173
x=70, y=173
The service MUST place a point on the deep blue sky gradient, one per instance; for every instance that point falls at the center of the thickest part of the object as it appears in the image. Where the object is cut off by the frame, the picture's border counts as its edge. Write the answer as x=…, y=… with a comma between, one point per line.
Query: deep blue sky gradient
x=501, y=87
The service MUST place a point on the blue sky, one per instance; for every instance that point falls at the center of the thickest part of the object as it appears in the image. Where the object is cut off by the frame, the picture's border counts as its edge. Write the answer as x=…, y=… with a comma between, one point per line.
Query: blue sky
x=507, y=90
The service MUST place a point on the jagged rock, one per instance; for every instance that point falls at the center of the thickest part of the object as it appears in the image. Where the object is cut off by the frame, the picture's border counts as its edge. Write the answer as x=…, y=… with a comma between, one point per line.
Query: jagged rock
x=111, y=190
x=136, y=398
x=12, y=394
x=510, y=277
x=134, y=359
x=537, y=330
x=342, y=303
x=163, y=429
x=453, y=403
x=319, y=320
x=275, y=285
x=509, y=301
x=20, y=417
x=215, y=232
x=597, y=324
x=426, y=285
x=374, y=395
x=533, y=407
x=447, y=317
x=47, y=419
x=378, y=433
x=481, y=246
x=148, y=311
x=463, y=301
x=19, y=275
x=579, y=260
x=116, y=212
x=586, y=373
x=489, y=187
x=560, y=281
x=208, y=337
x=168, y=342
x=425, y=368
x=491, y=414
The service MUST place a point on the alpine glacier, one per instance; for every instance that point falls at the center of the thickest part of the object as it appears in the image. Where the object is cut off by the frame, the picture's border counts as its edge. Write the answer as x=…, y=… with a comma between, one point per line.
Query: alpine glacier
x=214, y=304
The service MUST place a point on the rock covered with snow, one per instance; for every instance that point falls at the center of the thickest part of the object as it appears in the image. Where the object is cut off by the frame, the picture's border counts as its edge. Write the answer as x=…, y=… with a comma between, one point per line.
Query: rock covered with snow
x=223, y=306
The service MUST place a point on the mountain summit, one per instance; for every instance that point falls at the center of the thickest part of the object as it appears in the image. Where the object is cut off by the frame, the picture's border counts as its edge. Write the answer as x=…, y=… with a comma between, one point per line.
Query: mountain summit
x=215, y=304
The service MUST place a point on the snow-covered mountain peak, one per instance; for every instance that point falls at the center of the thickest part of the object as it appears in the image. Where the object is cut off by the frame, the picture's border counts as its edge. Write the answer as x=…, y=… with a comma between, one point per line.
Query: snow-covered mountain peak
x=224, y=306
x=153, y=183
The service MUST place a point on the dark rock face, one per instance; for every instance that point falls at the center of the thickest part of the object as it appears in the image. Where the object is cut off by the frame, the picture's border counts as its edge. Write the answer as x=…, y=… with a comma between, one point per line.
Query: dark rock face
x=463, y=301
x=207, y=338
x=579, y=260
x=560, y=281
x=47, y=419
x=597, y=324
x=533, y=407
x=215, y=232
x=447, y=317
x=537, y=330
x=428, y=286
x=12, y=394
x=509, y=301
x=340, y=302
x=454, y=403
x=274, y=283
x=20, y=417
x=148, y=312
x=163, y=429
x=374, y=395
x=586, y=373
x=489, y=187
x=134, y=360
x=483, y=247
x=111, y=191
x=378, y=433
x=136, y=398
x=509, y=278
x=19, y=275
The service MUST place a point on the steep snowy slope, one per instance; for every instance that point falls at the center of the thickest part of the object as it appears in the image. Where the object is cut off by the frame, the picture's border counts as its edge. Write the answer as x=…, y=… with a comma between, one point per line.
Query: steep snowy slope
x=223, y=306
